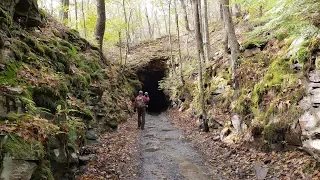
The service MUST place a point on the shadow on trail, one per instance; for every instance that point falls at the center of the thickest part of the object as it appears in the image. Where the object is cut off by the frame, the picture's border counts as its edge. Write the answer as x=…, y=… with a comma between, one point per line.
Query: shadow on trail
x=165, y=154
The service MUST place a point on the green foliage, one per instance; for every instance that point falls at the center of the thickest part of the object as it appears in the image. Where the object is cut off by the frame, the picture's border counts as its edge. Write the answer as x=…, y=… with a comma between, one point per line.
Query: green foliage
x=273, y=133
x=9, y=75
x=43, y=171
x=258, y=42
x=50, y=53
x=48, y=97
x=34, y=45
x=75, y=129
x=5, y=18
x=80, y=81
x=63, y=90
x=21, y=149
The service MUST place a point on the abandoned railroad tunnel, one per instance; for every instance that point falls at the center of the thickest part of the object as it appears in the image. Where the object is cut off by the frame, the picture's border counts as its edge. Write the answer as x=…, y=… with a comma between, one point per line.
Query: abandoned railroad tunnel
x=150, y=75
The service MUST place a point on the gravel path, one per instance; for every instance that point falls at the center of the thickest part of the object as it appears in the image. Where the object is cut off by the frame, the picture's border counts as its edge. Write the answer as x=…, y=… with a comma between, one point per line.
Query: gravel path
x=165, y=154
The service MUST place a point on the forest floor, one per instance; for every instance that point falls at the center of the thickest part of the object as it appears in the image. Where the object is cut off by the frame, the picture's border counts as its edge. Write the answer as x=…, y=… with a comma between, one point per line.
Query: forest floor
x=171, y=147
x=117, y=157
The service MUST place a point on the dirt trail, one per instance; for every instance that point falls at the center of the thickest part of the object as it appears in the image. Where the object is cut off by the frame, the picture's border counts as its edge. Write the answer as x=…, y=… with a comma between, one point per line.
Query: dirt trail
x=166, y=154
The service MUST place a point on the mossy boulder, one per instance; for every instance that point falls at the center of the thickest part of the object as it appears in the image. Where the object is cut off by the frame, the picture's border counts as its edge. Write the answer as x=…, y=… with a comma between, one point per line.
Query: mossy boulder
x=19, y=148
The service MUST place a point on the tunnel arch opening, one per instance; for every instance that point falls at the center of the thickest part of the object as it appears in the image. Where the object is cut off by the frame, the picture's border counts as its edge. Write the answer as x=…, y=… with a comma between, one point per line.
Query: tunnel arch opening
x=150, y=75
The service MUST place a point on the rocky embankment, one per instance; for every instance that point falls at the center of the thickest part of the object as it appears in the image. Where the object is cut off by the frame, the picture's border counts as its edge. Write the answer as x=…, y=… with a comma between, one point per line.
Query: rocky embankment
x=56, y=95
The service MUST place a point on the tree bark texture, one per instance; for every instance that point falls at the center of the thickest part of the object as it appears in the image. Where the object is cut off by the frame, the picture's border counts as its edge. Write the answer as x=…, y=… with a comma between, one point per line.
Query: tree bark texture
x=185, y=15
x=101, y=22
x=64, y=10
x=200, y=54
x=179, y=46
x=232, y=39
x=206, y=35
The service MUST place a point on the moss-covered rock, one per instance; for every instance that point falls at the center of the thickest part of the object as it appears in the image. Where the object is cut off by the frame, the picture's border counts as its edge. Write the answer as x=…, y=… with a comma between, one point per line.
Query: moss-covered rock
x=22, y=149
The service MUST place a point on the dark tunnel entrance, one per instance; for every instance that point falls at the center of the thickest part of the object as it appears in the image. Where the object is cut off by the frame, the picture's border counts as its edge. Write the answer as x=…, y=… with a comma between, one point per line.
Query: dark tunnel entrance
x=150, y=76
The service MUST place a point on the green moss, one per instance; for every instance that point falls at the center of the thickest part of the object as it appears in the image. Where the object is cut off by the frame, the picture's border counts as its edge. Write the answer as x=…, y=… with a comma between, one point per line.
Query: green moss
x=5, y=17
x=98, y=75
x=17, y=53
x=63, y=90
x=30, y=58
x=66, y=44
x=50, y=53
x=43, y=171
x=59, y=67
x=274, y=133
x=47, y=97
x=280, y=35
x=113, y=123
x=80, y=81
x=252, y=43
x=34, y=44
x=303, y=55
x=23, y=47
x=21, y=149
x=9, y=74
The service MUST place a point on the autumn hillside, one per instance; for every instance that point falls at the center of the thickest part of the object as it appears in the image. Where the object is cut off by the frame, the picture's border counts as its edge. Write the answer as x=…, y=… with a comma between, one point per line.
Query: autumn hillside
x=54, y=87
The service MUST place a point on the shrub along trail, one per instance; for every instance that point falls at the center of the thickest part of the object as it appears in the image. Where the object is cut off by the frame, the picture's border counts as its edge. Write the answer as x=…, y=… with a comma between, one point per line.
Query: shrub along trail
x=117, y=156
x=241, y=162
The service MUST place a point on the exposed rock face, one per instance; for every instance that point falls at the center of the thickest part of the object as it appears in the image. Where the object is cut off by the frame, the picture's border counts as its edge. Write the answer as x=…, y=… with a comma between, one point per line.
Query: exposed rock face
x=15, y=169
x=25, y=10
x=9, y=101
x=310, y=120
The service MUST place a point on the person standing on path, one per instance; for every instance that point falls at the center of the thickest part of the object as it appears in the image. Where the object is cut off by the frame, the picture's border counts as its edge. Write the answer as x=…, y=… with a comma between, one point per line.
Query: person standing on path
x=140, y=105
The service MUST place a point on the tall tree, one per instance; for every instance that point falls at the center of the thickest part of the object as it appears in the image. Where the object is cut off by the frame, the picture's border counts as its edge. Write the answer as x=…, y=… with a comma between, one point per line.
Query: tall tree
x=158, y=24
x=200, y=54
x=206, y=37
x=76, y=12
x=170, y=40
x=64, y=13
x=179, y=46
x=232, y=39
x=149, y=24
x=127, y=31
x=164, y=15
x=101, y=23
x=84, y=19
x=185, y=15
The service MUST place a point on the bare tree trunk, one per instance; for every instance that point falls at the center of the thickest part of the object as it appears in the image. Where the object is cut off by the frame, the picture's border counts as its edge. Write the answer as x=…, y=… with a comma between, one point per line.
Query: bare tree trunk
x=120, y=48
x=101, y=23
x=185, y=15
x=221, y=10
x=200, y=17
x=64, y=13
x=149, y=24
x=76, y=12
x=84, y=19
x=206, y=37
x=165, y=20
x=158, y=24
x=127, y=32
x=234, y=45
x=200, y=59
x=179, y=47
x=170, y=40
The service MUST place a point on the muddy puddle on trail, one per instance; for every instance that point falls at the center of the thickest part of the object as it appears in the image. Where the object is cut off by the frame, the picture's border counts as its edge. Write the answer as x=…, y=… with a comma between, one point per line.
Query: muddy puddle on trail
x=165, y=154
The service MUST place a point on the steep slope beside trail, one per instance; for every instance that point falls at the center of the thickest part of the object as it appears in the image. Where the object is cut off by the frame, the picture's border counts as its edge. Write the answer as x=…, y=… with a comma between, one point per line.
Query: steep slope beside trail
x=56, y=93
